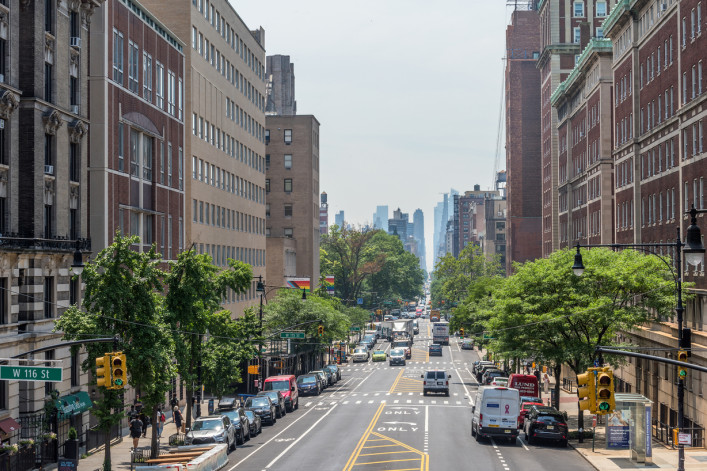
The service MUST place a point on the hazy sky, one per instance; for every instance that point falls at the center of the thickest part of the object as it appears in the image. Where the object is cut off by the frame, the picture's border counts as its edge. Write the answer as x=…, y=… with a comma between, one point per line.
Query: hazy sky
x=407, y=92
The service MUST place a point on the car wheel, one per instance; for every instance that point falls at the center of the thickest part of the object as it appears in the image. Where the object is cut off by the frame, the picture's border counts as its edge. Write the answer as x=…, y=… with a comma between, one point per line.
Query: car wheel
x=446, y=393
x=297, y=403
x=240, y=439
x=478, y=435
x=473, y=433
x=278, y=414
x=248, y=436
x=424, y=393
x=529, y=438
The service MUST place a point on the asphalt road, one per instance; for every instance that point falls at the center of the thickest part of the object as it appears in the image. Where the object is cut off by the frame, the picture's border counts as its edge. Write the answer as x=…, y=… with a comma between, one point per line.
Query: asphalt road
x=376, y=418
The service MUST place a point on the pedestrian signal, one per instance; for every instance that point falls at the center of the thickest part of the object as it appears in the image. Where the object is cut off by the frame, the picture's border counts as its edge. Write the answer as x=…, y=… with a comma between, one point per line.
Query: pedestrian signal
x=103, y=371
x=682, y=371
x=585, y=391
x=605, y=391
x=118, y=370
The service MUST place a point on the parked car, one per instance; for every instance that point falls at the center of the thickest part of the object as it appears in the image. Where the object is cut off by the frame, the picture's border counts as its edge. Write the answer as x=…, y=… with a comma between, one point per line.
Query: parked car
x=379, y=355
x=435, y=381
x=287, y=385
x=333, y=371
x=212, y=429
x=263, y=407
x=499, y=381
x=397, y=357
x=360, y=354
x=467, y=344
x=435, y=349
x=495, y=413
x=255, y=425
x=324, y=380
x=524, y=408
x=483, y=369
x=489, y=374
x=329, y=377
x=544, y=422
x=240, y=423
x=308, y=385
x=337, y=369
x=278, y=399
x=480, y=364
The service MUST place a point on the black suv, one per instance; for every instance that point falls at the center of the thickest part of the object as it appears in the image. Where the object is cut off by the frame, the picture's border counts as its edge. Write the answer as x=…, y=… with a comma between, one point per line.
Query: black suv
x=278, y=399
x=545, y=423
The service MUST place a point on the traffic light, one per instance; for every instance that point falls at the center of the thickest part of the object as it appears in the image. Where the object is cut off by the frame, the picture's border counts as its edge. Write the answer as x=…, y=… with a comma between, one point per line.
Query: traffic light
x=682, y=371
x=103, y=371
x=320, y=330
x=605, y=391
x=461, y=332
x=118, y=371
x=585, y=391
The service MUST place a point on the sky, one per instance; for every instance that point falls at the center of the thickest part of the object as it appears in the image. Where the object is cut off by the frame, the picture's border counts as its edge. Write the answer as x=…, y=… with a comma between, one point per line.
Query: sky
x=408, y=94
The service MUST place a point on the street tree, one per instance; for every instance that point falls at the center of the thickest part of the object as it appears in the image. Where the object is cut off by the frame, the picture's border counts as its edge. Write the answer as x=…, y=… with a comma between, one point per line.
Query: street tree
x=123, y=298
x=195, y=290
x=400, y=275
x=543, y=311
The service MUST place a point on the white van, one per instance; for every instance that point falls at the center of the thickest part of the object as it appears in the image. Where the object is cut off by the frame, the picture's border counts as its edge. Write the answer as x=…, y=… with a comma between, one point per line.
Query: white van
x=495, y=413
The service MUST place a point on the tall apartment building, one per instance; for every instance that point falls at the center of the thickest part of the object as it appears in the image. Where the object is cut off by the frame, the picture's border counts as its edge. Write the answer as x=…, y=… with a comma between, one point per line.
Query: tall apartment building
x=224, y=104
x=137, y=167
x=523, y=163
x=292, y=208
x=469, y=218
x=398, y=224
x=43, y=193
x=564, y=27
x=658, y=108
x=496, y=229
x=586, y=171
x=323, y=214
x=418, y=224
x=281, y=86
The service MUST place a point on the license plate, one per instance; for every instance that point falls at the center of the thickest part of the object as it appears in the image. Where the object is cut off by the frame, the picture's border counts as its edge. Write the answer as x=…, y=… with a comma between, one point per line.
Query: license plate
x=493, y=425
x=440, y=383
x=507, y=431
x=550, y=427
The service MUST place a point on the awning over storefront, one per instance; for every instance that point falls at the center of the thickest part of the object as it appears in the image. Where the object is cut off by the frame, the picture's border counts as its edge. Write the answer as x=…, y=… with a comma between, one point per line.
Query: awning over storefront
x=9, y=426
x=73, y=404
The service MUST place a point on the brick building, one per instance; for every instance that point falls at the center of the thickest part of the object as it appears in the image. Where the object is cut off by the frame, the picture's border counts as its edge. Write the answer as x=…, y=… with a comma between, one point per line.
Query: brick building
x=292, y=208
x=524, y=229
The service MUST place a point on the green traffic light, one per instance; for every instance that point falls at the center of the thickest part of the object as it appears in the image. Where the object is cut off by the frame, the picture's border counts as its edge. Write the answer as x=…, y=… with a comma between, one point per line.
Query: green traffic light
x=119, y=382
x=683, y=373
x=603, y=406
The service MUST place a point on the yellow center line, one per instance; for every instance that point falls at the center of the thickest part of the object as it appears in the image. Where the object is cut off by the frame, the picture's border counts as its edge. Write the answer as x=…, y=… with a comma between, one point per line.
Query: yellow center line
x=386, y=452
x=377, y=446
x=359, y=446
x=387, y=461
x=392, y=388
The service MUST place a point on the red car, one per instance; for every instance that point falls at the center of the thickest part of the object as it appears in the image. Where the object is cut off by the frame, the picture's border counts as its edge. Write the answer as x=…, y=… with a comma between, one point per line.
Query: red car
x=524, y=408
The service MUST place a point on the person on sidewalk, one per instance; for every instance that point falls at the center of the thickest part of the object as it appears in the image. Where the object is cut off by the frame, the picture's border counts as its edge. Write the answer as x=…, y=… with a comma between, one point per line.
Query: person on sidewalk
x=135, y=430
x=177, y=414
x=145, y=422
x=161, y=419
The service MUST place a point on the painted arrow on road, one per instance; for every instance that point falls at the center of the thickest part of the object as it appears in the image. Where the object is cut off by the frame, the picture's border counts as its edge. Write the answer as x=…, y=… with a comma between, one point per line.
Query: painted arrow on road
x=400, y=423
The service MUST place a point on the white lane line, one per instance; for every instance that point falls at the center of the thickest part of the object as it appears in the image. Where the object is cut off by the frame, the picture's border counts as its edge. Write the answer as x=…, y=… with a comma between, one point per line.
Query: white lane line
x=300, y=438
x=358, y=402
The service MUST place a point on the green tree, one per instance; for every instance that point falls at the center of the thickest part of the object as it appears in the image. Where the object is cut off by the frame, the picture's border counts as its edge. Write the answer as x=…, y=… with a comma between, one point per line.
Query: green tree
x=123, y=298
x=196, y=288
x=400, y=275
x=545, y=312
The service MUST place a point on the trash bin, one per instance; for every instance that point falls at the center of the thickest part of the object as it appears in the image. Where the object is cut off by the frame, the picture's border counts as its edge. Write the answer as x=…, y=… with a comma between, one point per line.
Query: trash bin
x=211, y=406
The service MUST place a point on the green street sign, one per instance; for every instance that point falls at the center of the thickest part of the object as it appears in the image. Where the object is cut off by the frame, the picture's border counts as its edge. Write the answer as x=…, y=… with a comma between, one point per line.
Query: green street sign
x=291, y=335
x=30, y=373
x=488, y=337
x=355, y=329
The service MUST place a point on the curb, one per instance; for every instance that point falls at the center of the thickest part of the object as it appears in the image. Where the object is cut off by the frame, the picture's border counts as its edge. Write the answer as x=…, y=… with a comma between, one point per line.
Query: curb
x=583, y=456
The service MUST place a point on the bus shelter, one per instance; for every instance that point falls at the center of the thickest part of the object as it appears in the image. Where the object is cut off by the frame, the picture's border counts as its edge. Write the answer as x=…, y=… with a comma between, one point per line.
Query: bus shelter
x=629, y=427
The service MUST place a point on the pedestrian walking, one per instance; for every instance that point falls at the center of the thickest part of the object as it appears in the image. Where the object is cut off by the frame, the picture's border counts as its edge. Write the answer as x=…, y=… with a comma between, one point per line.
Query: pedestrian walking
x=546, y=383
x=177, y=418
x=135, y=430
x=161, y=419
x=145, y=422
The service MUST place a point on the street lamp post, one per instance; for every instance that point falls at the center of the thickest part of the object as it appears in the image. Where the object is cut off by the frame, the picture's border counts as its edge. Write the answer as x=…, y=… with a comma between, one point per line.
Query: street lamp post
x=260, y=288
x=694, y=252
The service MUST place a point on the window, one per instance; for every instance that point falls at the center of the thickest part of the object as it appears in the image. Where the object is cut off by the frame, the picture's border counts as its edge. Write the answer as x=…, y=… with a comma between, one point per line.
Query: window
x=133, y=70
x=134, y=144
x=577, y=33
x=180, y=168
x=601, y=9
x=74, y=168
x=267, y=185
x=267, y=210
x=170, y=92
x=288, y=232
x=288, y=210
x=49, y=16
x=48, y=217
x=169, y=165
x=578, y=9
x=121, y=148
x=267, y=136
x=73, y=91
x=194, y=38
x=48, y=297
x=159, y=86
x=288, y=161
x=288, y=185
x=48, y=79
x=147, y=76
x=267, y=161
x=48, y=153
x=288, y=136
x=147, y=158
x=147, y=238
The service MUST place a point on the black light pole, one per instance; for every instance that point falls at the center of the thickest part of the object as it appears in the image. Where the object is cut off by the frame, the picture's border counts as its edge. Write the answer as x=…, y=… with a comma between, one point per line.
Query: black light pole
x=260, y=288
x=694, y=252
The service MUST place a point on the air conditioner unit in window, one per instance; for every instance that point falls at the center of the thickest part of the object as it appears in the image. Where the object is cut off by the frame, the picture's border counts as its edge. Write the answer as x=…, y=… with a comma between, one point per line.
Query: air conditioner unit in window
x=49, y=169
x=76, y=42
x=75, y=109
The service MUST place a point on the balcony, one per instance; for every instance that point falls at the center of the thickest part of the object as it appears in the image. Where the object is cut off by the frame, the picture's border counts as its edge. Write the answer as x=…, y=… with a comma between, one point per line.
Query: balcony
x=15, y=242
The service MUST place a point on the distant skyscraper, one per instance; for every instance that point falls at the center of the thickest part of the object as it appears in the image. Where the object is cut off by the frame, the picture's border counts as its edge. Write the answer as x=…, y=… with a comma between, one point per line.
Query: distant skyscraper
x=418, y=223
x=323, y=214
x=380, y=218
x=398, y=224
x=339, y=219
x=281, y=86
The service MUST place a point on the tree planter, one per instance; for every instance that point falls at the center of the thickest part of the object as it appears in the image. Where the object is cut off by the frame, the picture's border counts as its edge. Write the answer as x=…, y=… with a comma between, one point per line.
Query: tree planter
x=71, y=449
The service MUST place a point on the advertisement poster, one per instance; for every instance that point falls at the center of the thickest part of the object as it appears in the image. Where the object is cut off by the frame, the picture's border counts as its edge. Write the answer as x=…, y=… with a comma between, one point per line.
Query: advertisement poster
x=618, y=429
x=649, y=434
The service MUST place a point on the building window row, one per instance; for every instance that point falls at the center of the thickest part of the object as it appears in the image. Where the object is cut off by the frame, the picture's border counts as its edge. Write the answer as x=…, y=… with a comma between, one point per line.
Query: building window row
x=693, y=140
x=624, y=88
x=144, y=225
x=594, y=223
x=141, y=148
x=211, y=214
x=212, y=175
x=173, y=85
x=624, y=173
x=658, y=159
x=658, y=207
x=692, y=25
x=624, y=215
x=238, y=115
x=217, y=137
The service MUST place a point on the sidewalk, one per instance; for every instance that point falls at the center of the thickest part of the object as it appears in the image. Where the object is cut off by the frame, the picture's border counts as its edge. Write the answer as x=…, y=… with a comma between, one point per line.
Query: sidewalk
x=603, y=459
x=120, y=451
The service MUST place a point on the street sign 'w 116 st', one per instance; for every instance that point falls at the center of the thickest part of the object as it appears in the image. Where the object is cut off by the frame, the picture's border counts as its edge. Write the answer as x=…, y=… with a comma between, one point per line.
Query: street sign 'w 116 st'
x=30, y=373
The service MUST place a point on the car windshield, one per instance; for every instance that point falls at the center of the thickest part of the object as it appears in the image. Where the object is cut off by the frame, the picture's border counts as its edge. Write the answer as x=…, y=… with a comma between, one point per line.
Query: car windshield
x=379, y=352
x=283, y=385
x=232, y=414
x=256, y=401
x=212, y=424
x=250, y=414
x=550, y=417
x=306, y=379
x=397, y=352
x=271, y=394
x=359, y=350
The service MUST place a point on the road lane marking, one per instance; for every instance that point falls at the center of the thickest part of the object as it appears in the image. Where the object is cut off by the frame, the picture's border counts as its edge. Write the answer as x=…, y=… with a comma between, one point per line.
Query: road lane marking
x=362, y=441
x=300, y=438
x=395, y=383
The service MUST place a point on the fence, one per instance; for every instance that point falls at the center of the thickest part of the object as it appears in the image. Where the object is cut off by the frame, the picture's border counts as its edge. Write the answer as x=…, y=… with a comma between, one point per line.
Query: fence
x=569, y=385
x=177, y=439
x=664, y=433
x=23, y=460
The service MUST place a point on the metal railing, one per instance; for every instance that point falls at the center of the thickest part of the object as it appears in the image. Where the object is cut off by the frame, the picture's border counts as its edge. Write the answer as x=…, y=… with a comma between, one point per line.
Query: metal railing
x=177, y=439
x=569, y=385
x=664, y=433
x=23, y=460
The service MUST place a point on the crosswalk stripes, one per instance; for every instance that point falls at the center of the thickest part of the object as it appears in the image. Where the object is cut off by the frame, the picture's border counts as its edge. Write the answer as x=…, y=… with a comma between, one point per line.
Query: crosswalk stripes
x=329, y=402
